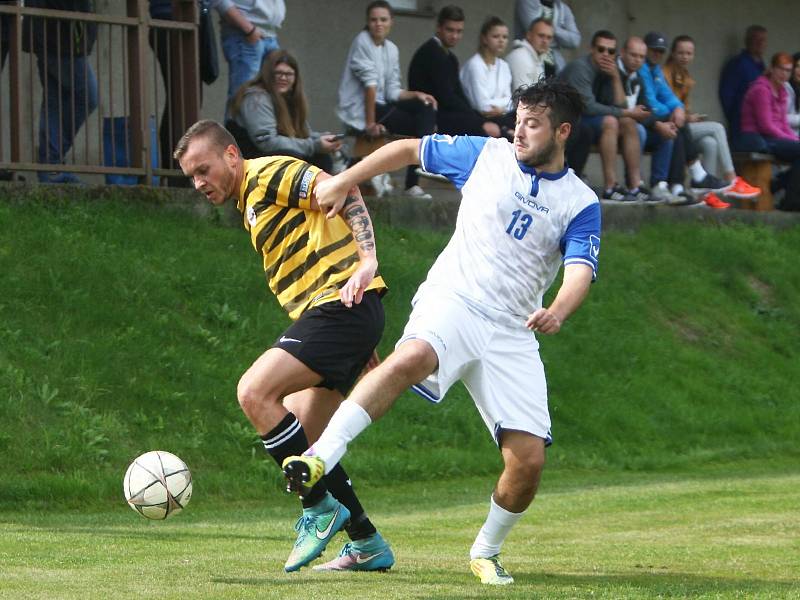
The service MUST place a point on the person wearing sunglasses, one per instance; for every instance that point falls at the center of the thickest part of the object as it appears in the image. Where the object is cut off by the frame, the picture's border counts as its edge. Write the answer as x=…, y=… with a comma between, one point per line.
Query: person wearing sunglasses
x=607, y=119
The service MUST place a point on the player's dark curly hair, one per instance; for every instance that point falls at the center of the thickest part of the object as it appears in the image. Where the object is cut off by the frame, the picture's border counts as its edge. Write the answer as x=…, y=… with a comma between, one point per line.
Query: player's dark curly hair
x=563, y=100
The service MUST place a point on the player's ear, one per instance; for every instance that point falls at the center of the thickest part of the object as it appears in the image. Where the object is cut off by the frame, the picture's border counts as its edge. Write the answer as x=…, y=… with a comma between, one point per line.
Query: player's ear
x=232, y=154
x=563, y=131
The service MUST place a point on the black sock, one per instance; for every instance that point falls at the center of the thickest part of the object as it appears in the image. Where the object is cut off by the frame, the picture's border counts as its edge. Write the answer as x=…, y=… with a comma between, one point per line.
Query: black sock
x=359, y=526
x=289, y=439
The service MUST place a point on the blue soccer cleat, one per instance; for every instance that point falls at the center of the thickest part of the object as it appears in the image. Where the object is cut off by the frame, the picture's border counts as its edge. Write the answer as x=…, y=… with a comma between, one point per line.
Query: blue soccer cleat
x=315, y=529
x=369, y=554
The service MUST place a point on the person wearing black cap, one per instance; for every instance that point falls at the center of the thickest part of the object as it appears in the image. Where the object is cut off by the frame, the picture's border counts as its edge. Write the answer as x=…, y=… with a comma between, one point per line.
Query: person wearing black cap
x=665, y=105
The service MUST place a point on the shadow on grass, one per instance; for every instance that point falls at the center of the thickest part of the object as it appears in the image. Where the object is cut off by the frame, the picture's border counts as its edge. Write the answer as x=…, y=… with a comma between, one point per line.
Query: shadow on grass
x=447, y=585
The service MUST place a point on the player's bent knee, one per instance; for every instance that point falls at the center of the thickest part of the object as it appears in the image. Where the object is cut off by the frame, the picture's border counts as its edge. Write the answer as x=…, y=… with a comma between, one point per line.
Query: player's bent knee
x=413, y=361
x=250, y=397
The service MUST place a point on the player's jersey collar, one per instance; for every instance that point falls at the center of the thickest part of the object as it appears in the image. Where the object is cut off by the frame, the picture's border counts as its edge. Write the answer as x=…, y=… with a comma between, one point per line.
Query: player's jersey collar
x=537, y=175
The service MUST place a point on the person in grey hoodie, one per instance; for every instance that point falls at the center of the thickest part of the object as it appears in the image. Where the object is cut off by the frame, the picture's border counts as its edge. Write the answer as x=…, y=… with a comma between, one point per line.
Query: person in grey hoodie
x=372, y=100
x=269, y=116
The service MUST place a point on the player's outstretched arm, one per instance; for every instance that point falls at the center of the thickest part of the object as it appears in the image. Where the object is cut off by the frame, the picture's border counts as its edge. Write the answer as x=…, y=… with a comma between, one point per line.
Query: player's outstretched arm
x=332, y=192
x=573, y=290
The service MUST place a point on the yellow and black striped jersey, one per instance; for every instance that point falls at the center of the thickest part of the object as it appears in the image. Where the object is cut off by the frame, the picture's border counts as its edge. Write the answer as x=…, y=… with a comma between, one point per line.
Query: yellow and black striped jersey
x=307, y=257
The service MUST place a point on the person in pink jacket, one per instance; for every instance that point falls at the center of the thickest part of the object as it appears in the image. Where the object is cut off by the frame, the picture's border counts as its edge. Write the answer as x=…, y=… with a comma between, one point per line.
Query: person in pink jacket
x=765, y=126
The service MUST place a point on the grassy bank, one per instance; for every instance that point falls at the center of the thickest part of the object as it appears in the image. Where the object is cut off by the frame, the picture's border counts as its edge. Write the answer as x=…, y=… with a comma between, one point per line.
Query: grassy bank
x=125, y=329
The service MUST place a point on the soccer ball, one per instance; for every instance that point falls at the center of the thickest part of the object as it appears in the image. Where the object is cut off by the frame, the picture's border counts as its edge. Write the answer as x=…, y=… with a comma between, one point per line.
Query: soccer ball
x=157, y=485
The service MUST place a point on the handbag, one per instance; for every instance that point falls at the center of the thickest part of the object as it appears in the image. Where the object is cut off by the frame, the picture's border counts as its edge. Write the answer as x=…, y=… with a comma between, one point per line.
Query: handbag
x=209, y=58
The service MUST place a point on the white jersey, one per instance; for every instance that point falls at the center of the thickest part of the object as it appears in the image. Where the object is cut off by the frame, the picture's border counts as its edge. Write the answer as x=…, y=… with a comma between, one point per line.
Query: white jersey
x=515, y=226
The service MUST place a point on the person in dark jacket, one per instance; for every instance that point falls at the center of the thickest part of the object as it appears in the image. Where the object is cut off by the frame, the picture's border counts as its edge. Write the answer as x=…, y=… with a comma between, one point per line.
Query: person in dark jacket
x=69, y=87
x=739, y=72
x=434, y=70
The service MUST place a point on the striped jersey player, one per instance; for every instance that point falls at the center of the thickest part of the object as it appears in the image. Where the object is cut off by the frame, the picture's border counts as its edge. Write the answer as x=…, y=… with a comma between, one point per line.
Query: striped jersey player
x=324, y=274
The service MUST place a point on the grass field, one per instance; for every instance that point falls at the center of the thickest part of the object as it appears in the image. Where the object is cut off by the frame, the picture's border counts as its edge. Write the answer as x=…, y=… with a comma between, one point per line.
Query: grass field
x=719, y=533
x=124, y=328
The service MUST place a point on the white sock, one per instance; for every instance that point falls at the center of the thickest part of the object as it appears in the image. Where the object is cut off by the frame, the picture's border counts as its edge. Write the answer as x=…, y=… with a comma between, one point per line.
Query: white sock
x=677, y=189
x=662, y=185
x=494, y=531
x=346, y=423
x=697, y=171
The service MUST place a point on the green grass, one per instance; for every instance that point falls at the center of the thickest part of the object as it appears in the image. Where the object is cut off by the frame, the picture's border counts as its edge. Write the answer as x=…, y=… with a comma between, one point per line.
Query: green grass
x=717, y=533
x=124, y=328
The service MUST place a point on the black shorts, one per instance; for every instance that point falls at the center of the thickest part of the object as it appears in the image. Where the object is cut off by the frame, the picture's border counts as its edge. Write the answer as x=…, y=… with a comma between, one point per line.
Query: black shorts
x=336, y=341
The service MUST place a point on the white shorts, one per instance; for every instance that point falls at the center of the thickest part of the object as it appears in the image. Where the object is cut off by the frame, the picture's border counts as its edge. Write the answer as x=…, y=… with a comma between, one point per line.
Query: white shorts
x=499, y=365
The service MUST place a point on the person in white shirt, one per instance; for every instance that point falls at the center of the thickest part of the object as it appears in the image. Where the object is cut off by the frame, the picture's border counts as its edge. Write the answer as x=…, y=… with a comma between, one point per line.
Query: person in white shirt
x=486, y=78
x=559, y=14
x=522, y=216
x=529, y=58
x=371, y=96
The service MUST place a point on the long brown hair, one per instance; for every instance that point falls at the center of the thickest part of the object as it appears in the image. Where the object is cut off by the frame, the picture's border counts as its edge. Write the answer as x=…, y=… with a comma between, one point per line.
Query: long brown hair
x=291, y=109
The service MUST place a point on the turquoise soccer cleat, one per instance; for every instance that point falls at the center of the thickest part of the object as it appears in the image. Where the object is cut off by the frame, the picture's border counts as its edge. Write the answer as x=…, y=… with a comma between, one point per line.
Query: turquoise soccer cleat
x=369, y=554
x=315, y=528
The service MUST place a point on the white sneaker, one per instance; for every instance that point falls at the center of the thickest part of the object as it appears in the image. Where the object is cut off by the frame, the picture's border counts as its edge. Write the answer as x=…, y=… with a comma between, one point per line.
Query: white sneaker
x=388, y=186
x=378, y=185
x=423, y=173
x=417, y=192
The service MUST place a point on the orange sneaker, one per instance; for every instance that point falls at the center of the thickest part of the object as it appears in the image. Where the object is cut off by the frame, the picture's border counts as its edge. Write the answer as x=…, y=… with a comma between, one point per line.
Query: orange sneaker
x=714, y=201
x=739, y=188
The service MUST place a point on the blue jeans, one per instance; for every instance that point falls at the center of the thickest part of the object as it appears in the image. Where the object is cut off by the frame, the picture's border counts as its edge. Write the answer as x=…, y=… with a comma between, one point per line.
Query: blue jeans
x=661, y=149
x=244, y=59
x=69, y=95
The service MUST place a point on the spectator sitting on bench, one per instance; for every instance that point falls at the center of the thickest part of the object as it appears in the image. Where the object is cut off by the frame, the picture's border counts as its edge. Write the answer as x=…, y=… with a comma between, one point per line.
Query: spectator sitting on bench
x=269, y=116
x=738, y=73
x=486, y=78
x=566, y=34
x=528, y=59
x=655, y=135
x=434, y=70
x=666, y=105
x=607, y=118
x=371, y=97
x=793, y=91
x=710, y=136
x=765, y=128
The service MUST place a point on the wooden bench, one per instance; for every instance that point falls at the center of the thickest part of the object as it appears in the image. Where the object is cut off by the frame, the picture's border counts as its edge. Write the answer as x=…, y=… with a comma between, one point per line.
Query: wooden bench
x=756, y=169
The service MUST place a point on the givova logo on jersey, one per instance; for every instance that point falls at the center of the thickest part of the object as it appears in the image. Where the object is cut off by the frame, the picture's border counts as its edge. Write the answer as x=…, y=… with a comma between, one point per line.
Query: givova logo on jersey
x=594, y=246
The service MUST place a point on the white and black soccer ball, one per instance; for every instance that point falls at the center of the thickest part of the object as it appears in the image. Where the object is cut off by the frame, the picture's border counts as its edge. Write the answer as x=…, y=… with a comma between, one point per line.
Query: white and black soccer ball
x=157, y=485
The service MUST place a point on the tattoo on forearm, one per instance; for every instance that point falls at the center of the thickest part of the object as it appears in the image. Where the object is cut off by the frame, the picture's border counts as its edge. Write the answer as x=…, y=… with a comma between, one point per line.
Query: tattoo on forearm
x=354, y=211
x=360, y=225
x=350, y=199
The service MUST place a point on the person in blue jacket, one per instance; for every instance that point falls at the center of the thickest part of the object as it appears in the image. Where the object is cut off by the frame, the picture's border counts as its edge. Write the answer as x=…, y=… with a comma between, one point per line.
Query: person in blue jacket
x=665, y=105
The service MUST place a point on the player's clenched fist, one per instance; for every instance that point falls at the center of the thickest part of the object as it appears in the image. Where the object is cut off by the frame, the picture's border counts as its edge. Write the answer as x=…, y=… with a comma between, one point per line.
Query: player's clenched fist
x=330, y=195
x=543, y=321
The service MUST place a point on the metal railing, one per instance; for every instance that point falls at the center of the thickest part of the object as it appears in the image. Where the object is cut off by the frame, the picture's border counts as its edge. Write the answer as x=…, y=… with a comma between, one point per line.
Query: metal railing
x=80, y=92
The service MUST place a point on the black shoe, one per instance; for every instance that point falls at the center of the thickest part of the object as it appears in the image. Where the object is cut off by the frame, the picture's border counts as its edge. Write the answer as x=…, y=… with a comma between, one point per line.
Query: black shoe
x=641, y=194
x=617, y=195
x=709, y=183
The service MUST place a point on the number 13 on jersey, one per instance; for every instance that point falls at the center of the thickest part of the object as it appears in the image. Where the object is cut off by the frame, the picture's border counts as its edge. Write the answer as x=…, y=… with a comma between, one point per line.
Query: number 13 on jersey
x=519, y=224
